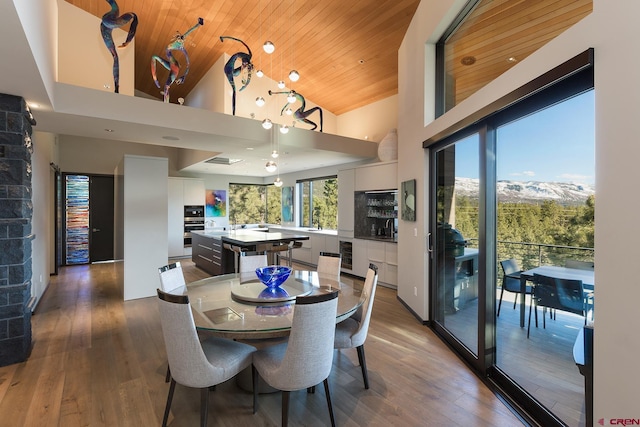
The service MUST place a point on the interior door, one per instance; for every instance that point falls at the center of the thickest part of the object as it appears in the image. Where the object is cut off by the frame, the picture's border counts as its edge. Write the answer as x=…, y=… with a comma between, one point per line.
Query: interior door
x=101, y=218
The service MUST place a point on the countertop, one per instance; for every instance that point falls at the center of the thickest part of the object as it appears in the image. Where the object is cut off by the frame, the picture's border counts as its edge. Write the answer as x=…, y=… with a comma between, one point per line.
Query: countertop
x=249, y=235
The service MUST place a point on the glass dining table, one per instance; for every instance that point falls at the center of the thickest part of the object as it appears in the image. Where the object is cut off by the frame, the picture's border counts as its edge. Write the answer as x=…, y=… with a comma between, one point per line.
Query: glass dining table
x=239, y=306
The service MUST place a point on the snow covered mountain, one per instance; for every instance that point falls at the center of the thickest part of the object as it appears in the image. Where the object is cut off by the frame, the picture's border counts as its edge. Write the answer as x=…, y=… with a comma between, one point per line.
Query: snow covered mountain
x=530, y=191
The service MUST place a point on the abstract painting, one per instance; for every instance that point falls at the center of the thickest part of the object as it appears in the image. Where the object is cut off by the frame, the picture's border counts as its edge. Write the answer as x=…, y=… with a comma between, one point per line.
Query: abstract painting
x=287, y=204
x=216, y=203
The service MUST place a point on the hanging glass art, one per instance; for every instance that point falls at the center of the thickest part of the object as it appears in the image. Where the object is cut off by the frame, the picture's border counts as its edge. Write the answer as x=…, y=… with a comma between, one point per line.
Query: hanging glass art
x=110, y=21
x=300, y=114
x=244, y=70
x=170, y=63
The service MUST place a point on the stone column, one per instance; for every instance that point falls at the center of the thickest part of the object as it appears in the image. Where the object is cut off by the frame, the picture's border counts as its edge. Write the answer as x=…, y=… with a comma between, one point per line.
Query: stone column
x=16, y=211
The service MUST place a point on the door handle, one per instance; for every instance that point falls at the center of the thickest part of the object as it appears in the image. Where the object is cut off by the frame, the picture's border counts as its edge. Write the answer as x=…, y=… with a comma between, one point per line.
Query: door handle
x=95, y=230
x=429, y=247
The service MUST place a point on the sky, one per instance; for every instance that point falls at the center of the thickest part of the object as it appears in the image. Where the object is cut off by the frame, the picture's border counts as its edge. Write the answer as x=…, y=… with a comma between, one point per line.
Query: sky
x=556, y=144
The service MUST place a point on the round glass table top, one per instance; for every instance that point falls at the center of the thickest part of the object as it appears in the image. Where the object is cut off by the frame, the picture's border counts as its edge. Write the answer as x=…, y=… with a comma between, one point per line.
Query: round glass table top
x=232, y=306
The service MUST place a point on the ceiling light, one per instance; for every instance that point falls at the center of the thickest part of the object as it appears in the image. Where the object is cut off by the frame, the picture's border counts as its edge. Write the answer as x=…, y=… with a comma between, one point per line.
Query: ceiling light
x=288, y=111
x=281, y=84
x=277, y=182
x=266, y=123
x=294, y=76
x=271, y=166
x=259, y=73
x=468, y=60
x=269, y=47
x=274, y=154
x=284, y=129
x=291, y=97
x=260, y=101
x=512, y=59
x=108, y=130
x=171, y=138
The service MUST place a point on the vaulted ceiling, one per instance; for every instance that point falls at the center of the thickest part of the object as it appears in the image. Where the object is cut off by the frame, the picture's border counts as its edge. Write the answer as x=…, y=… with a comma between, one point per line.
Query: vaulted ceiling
x=345, y=51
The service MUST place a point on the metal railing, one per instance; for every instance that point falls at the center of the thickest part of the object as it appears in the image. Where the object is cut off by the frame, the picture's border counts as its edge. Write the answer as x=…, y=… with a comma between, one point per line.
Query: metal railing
x=531, y=255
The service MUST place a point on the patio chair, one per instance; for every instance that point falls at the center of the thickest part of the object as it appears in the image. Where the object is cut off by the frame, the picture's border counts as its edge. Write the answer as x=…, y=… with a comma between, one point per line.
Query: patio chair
x=511, y=281
x=560, y=294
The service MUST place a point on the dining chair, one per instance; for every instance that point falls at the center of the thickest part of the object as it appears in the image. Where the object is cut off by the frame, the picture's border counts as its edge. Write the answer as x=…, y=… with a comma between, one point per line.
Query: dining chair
x=172, y=278
x=305, y=360
x=249, y=261
x=511, y=281
x=172, y=281
x=329, y=263
x=294, y=244
x=558, y=294
x=352, y=332
x=195, y=363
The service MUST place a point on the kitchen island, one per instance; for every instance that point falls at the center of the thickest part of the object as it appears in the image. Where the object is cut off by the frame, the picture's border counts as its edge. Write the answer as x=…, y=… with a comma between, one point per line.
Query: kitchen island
x=209, y=254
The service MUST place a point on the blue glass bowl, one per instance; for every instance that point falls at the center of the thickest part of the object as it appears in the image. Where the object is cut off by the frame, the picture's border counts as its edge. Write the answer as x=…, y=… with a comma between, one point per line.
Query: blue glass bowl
x=273, y=276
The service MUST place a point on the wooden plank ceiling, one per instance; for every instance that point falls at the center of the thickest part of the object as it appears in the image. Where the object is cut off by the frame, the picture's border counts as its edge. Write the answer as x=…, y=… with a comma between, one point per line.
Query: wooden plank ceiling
x=345, y=51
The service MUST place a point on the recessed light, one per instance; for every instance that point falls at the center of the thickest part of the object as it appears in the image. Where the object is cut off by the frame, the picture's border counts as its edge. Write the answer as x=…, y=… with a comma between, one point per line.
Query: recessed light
x=171, y=138
x=250, y=148
x=512, y=59
x=361, y=61
x=468, y=60
x=108, y=130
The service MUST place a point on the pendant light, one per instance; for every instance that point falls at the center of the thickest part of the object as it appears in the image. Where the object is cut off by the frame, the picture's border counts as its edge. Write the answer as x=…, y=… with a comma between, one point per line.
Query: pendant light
x=267, y=124
x=269, y=47
x=271, y=166
x=260, y=101
x=294, y=76
x=277, y=182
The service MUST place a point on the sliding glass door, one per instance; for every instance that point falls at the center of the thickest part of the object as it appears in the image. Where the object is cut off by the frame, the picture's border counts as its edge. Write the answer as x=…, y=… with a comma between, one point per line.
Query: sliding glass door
x=517, y=188
x=456, y=236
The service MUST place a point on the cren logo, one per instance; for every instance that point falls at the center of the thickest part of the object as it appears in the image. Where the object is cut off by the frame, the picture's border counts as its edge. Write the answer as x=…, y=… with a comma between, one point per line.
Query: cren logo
x=601, y=421
x=619, y=421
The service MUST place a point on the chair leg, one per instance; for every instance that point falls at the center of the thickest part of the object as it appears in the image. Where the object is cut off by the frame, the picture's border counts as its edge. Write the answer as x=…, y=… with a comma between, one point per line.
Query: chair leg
x=500, y=302
x=254, y=380
x=168, y=376
x=514, y=301
x=285, y=408
x=204, y=406
x=529, y=323
x=363, y=366
x=172, y=387
x=326, y=392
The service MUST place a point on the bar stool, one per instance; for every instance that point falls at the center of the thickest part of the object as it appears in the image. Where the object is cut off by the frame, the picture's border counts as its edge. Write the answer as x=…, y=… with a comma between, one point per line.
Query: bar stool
x=275, y=251
x=237, y=250
x=293, y=245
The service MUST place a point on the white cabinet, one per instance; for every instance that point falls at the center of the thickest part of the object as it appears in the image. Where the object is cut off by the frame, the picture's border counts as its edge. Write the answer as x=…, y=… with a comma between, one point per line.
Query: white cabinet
x=346, y=182
x=331, y=244
x=193, y=192
x=175, y=220
x=391, y=261
x=360, y=257
x=378, y=176
x=181, y=192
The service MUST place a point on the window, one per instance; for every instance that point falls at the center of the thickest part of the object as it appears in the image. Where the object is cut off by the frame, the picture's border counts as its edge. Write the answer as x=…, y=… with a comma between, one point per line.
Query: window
x=254, y=204
x=318, y=200
x=489, y=37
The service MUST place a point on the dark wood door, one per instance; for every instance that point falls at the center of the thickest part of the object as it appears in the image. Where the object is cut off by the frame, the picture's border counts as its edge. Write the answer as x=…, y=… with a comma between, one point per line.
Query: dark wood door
x=101, y=218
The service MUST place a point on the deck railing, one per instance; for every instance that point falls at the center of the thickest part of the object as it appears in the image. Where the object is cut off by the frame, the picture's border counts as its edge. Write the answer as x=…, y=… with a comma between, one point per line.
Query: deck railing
x=531, y=255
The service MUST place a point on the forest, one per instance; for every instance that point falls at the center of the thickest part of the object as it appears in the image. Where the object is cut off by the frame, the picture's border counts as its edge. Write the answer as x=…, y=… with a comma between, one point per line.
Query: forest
x=544, y=233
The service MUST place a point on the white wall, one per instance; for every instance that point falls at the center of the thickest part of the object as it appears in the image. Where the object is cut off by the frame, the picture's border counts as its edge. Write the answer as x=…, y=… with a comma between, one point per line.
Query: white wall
x=617, y=94
x=372, y=121
x=42, y=183
x=146, y=242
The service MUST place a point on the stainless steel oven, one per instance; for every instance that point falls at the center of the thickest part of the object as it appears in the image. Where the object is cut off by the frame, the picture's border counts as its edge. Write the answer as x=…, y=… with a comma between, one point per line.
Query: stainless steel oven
x=193, y=221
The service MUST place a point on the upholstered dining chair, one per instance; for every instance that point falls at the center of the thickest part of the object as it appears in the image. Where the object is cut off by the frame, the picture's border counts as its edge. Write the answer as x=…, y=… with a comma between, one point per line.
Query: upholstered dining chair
x=306, y=358
x=559, y=294
x=511, y=281
x=352, y=332
x=194, y=363
x=172, y=281
x=172, y=278
x=329, y=263
x=249, y=261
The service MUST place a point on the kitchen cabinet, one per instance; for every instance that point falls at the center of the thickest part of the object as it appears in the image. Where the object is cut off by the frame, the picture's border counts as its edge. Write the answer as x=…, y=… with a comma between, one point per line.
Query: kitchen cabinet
x=209, y=255
x=376, y=176
x=346, y=185
x=181, y=192
x=360, y=257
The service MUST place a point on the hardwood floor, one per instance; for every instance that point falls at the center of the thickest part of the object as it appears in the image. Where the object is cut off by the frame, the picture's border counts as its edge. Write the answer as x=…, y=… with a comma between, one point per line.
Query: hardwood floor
x=97, y=360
